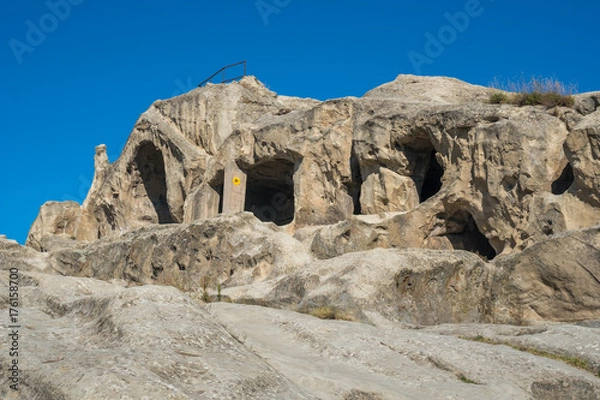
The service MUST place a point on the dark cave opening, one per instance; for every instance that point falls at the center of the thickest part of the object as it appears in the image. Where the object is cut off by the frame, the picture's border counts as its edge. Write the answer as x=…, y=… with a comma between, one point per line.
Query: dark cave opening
x=151, y=167
x=564, y=181
x=270, y=191
x=432, y=183
x=463, y=234
x=216, y=184
x=219, y=190
x=354, y=185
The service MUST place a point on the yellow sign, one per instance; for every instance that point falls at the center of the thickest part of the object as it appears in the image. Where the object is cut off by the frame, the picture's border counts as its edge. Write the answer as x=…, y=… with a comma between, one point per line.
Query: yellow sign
x=236, y=181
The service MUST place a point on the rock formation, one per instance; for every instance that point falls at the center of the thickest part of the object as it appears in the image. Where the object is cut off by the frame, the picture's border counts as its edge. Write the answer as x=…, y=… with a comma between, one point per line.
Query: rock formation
x=415, y=205
x=464, y=173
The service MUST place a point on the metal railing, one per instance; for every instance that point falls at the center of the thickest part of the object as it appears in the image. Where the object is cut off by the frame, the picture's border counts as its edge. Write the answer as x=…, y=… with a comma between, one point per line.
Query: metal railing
x=222, y=71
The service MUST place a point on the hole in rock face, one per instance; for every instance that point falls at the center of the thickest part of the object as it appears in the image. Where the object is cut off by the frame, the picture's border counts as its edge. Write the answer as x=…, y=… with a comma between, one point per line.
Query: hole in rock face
x=422, y=164
x=219, y=190
x=270, y=191
x=492, y=118
x=463, y=234
x=354, y=186
x=432, y=183
x=151, y=167
x=564, y=181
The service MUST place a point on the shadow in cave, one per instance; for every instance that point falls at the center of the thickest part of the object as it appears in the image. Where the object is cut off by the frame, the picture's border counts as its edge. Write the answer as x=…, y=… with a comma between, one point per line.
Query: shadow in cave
x=150, y=164
x=354, y=186
x=426, y=171
x=463, y=234
x=270, y=191
x=432, y=183
x=217, y=186
x=564, y=181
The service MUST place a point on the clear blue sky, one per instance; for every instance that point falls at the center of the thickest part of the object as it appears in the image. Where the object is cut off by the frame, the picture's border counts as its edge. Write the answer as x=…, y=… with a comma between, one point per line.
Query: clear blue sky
x=85, y=80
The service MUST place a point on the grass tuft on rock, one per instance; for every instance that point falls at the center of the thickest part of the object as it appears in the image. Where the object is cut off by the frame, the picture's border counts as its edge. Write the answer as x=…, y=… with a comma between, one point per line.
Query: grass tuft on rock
x=572, y=361
x=547, y=92
x=467, y=380
x=327, y=312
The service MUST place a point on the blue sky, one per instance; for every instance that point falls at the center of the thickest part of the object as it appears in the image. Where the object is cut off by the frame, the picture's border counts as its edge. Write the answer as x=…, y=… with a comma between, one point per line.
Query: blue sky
x=77, y=73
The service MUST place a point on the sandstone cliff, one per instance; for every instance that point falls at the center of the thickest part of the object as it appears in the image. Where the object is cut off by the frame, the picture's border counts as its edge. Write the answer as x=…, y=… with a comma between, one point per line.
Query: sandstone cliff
x=416, y=163
x=415, y=205
x=427, y=154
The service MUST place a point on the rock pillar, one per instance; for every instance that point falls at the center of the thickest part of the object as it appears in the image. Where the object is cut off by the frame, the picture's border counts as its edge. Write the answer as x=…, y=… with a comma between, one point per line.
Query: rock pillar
x=101, y=165
x=234, y=189
x=202, y=204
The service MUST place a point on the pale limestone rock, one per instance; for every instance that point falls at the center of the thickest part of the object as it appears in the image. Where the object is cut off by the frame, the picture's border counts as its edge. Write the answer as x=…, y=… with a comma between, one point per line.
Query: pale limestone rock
x=337, y=359
x=101, y=167
x=87, y=339
x=420, y=89
x=387, y=191
x=555, y=279
x=234, y=189
x=54, y=220
x=260, y=263
x=202, y=203
x=84, y=339
x=587, y=103
x=583, y=151
x=231, y=250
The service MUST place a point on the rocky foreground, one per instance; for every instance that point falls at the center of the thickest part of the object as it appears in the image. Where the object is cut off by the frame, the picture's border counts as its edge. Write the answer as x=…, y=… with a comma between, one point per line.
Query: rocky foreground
x=85, y=338
x=415, y=243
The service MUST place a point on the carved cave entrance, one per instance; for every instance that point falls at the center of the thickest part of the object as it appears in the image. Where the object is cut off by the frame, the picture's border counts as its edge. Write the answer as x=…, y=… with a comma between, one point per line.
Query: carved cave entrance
x=151, y=167
x=463, y=234
x=270, y=191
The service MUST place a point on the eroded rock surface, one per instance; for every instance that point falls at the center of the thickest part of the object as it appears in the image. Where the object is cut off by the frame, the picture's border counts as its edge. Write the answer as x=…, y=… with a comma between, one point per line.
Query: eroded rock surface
x=432, y=148
x=83, y=338
x=556, y=279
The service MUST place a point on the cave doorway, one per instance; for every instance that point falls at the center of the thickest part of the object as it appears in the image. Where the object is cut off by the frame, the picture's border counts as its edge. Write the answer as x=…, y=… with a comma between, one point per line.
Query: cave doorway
x=151, y=167
x=270, y=191
x=432, y=182
x=463, y=234
x=564, y=181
